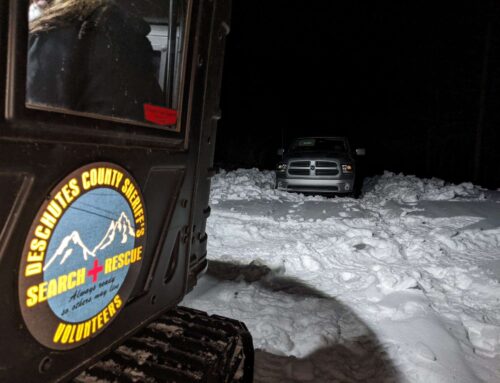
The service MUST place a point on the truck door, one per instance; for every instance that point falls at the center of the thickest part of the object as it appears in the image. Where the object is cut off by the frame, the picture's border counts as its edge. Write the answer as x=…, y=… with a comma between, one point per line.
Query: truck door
x=106, y=145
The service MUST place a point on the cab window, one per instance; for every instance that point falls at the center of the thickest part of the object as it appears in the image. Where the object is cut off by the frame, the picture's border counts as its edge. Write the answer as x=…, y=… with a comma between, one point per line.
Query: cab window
x=117, y=59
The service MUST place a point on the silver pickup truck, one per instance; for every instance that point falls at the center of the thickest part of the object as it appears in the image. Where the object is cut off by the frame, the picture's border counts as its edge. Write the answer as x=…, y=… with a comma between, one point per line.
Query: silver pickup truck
x=318, y=164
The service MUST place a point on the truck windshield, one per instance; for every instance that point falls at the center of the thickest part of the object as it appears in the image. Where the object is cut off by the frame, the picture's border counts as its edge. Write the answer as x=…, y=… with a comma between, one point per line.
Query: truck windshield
x=318, y=144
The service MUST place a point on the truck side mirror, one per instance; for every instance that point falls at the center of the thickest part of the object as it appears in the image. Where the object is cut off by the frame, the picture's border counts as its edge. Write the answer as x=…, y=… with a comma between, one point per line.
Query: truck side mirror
x=360, y=151
x=281, y=151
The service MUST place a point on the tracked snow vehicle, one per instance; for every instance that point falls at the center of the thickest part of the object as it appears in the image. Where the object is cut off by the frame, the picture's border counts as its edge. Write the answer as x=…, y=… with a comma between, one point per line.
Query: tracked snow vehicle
x=107, y=133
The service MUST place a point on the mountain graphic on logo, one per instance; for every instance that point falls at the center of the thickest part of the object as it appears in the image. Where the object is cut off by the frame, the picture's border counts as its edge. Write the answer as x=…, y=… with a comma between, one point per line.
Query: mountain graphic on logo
x=120, y=229
x=121, y=226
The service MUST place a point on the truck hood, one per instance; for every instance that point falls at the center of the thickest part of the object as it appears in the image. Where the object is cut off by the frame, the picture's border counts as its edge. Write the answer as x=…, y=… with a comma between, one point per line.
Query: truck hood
x=312, y=155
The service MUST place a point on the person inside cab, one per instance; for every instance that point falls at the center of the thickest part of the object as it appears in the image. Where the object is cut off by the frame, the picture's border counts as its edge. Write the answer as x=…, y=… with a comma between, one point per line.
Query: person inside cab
x=90, y=56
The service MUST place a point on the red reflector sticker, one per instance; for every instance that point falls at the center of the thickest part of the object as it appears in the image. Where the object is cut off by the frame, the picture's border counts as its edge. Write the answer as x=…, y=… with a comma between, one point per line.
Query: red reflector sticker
x=160, y=115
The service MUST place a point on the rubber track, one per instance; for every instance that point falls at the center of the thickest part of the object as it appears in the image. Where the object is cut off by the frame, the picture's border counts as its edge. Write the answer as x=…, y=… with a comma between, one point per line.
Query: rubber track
x=182, y=346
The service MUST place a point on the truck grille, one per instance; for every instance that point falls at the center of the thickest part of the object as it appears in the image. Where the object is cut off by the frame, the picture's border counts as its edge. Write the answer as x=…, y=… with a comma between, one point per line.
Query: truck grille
x=326, y=164
x=299, y=172
x=313, y=168
x=327, y=172
x=300, y=164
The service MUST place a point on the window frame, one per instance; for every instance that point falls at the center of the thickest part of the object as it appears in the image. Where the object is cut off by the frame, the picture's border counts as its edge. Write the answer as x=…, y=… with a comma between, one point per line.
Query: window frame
x=26, y=121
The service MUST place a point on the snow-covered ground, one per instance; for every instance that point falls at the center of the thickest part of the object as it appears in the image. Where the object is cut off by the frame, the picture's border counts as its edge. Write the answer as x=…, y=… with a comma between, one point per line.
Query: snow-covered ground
x=400, y=285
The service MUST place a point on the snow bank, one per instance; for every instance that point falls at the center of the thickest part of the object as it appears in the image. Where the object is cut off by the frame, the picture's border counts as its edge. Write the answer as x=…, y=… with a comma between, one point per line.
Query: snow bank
x=410, y=189
x=251, y=184
x=242, y=184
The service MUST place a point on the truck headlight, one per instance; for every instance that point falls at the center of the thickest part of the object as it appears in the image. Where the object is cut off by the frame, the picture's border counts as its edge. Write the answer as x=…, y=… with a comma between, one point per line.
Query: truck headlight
x=281, y=167
x=347, y=168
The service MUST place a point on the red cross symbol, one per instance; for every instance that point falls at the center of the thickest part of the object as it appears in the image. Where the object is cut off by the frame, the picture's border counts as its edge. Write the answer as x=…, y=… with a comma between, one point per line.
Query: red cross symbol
x=95, y=271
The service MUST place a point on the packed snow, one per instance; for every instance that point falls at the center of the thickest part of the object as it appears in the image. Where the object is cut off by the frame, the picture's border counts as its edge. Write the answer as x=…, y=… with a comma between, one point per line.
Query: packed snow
x=400, y=285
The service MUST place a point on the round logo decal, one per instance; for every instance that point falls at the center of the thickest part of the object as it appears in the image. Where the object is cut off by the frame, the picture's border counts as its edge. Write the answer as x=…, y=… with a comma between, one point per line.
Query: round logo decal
x=82, y=256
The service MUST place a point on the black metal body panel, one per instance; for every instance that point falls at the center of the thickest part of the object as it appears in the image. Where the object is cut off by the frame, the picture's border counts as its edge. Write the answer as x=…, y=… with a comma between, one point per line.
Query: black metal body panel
x=39, y=148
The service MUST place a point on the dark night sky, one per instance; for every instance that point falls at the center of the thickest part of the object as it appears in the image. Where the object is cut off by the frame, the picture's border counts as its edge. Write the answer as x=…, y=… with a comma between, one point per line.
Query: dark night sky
x=413, y=82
